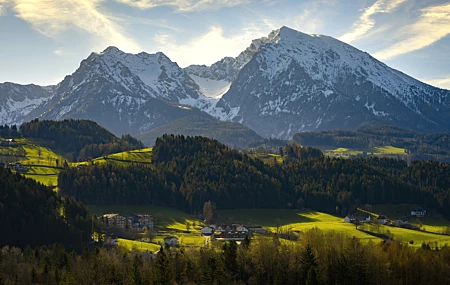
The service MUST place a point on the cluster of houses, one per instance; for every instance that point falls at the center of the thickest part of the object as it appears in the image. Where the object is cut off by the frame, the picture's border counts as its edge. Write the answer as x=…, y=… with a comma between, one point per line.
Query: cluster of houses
x=134, y=221
x=418, y=212
x=233, y=232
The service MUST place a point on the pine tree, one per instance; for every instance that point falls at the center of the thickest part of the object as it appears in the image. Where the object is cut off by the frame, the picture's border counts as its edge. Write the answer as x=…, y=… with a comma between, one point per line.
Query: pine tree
x=308, y=260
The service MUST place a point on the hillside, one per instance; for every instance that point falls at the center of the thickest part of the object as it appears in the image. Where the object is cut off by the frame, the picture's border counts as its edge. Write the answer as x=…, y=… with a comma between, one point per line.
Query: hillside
x=228, y=133
x=77, y=140
x=28, y=207
x=378, y=138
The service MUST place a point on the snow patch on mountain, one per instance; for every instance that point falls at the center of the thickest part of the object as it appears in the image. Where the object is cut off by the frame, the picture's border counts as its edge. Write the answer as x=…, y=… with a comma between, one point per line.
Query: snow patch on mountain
x=211, y=88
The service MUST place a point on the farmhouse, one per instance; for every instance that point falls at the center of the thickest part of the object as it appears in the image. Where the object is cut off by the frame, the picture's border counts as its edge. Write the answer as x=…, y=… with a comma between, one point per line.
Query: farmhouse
x=242, y=229
x=419, y=212
x=115, y=220
x=360, y=219
x=171, y=240
x=207, y=231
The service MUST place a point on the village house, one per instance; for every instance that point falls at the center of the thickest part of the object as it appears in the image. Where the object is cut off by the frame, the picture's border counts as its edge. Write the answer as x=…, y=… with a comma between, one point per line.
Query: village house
x=230, y=236
x=116, y=220
x=139, y=221
x=382, y=219
x=171, y=240
x=360, y=219
x=8, y=142
x=207, y=231
x=242, y=229
x=419, y=212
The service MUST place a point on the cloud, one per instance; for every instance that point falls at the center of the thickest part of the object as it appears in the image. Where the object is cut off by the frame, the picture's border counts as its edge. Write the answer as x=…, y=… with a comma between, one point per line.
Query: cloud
x=365, y=22
x=208, y=47
x=59, y=51
x=443, y=82
x=432, y=25
x=184, y=5
x=53, y=17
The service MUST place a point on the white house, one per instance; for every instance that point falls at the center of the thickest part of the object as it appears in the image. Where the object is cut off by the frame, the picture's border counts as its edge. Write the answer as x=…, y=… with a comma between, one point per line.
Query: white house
x=171, y=240
x=419, y=212
x=207, y=231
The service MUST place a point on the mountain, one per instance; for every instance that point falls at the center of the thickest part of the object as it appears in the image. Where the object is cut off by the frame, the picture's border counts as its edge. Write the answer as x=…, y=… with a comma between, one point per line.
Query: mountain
x=284, y=83
x=126, y=93
x=228, y=133
x=17, y=101
x=295, y=82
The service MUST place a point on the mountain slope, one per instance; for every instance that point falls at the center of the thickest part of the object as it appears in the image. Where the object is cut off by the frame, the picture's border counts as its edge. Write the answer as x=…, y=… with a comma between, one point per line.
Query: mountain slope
x=228, y=133
x=126, y=93
x=17, y=101
x=298, y=82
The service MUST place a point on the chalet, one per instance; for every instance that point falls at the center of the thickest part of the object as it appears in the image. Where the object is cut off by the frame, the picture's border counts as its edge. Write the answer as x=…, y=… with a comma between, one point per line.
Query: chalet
x=116, y=220
x=171, y=240
x=382, y=219
x=419, y=212
x=241, y=229
x=207, y=231
x=139, y=221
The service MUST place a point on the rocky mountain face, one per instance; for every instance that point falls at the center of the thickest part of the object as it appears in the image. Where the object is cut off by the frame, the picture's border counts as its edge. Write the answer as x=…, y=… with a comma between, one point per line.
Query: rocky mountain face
x=296, y=82
x=18, y=101
x=126, y=93
x=282, y=84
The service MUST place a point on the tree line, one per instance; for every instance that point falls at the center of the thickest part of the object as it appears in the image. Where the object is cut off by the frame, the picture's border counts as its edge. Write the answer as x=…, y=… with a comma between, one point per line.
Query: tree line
x=186, y=172
x=318, y=258
x=422, y=145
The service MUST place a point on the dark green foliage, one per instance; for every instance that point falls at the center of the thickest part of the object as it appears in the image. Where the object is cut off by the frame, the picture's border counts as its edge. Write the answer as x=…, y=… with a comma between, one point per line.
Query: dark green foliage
x=327, y=259
x=189, y=171
x=421, y=145
x=32, y=214
x=80, y=139
x=9, y=131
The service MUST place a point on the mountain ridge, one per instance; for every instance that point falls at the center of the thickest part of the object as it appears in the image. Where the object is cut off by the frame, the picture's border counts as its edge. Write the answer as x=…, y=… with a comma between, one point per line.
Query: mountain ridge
x=284, y=83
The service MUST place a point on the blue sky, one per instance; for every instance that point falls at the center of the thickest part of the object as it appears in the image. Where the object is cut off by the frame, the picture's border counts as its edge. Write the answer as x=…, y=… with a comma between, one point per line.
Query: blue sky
x=41, y=41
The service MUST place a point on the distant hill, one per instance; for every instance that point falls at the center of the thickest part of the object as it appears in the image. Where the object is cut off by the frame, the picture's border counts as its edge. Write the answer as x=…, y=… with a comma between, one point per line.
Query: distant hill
x=228, y=133
x=77, y=139
x=420, y=145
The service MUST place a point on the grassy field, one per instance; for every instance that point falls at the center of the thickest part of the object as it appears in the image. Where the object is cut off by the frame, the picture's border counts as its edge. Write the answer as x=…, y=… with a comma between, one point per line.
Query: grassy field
x=166, y=218
x=347, y=152
x=122, y=158
x=268, y=157
x=304, y=220
x=433, y=222
x=142, y=246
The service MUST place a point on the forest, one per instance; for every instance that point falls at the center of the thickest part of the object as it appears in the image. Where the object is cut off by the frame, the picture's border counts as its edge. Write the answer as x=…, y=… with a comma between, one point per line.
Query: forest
x=422, y=146
x=186, y=172
x=318, y=258
x=32, y=214
x=78, y=140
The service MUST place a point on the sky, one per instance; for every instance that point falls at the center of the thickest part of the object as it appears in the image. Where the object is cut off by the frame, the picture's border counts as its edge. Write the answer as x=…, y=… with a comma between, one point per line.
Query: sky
x=41, y=41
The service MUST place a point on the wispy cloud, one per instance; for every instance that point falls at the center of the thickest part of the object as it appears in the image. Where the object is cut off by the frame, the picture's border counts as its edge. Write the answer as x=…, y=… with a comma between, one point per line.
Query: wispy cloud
x=365, y=22
x=52, y=17
x=443, y=82
x=208, y=47
x=184, y=5
x=432, y=25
